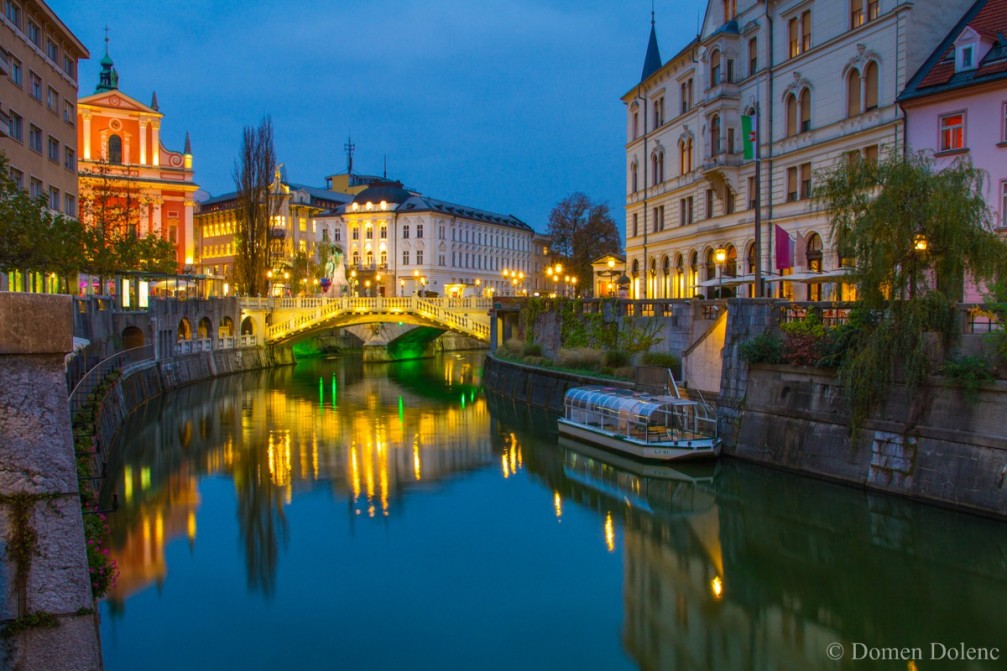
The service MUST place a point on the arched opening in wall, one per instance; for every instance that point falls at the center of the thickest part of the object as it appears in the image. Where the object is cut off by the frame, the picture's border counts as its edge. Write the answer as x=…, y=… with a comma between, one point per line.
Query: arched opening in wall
x=635, y=273
x=226, y=327
x=184, y=329
x=679, y=276
x=247, y=326
x=791, y=107
x=132, y=337
x=711, y=265
x=853, y=93
x=871, y=87
x=814, y=255
x=731, y=265
x=115, y=149
x=652, y=291
x=715, y=135
x=750, y=267
x=693, y=272
x=666, y=277
x=805, y=104
x=204, y=329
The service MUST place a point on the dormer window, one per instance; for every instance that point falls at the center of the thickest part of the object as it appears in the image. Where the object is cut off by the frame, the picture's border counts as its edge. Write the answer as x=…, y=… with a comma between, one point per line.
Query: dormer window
x=966, y=57
x=967, y=50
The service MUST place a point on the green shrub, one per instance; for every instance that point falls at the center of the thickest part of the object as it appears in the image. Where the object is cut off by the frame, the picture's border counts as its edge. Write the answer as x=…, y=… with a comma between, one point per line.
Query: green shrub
x=968, y=372
x=541, y=361
x=616, y=359
x=764, y=348
x=531, y=349
x=579, y=358
x=624, y=373
x=803, y=340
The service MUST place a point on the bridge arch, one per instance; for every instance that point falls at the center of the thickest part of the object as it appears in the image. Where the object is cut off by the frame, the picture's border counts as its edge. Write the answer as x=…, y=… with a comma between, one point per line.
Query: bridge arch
x=204, y=329
x=248, y=326
x=184, y=329
x=226, y=329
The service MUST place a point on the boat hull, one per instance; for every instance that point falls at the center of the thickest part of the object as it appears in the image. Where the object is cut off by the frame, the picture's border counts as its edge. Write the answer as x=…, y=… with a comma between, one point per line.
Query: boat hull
x=699, y=448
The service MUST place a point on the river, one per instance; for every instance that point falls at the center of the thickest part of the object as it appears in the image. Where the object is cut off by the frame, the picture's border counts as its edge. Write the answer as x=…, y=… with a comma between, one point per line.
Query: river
x=342, y=515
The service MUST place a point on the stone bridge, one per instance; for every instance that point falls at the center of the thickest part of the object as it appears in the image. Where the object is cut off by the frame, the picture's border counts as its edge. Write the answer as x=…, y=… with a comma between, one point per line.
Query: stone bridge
x=283, y=320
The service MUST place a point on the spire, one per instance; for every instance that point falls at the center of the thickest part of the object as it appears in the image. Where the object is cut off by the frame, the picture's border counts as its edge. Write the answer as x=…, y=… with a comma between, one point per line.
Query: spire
x=188, y=143
x=108, y=78
x=153, y=102
x=652, y=61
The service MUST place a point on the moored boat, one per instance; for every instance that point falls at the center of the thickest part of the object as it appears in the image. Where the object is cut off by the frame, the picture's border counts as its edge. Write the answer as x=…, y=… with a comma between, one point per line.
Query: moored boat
x=645, y=426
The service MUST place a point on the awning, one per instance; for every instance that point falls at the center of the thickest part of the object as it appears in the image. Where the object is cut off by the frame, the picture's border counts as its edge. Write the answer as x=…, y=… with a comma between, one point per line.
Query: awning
x=838, y=276
x=727, y=281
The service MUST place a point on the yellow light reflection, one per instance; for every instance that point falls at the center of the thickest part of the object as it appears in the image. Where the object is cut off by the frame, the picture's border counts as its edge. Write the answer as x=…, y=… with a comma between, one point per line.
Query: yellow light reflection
x=717, y=587
x=127, y=484
x=609, y=532
x=190, y=525
x=145, y=478
x=417, y=465
x=557, y=503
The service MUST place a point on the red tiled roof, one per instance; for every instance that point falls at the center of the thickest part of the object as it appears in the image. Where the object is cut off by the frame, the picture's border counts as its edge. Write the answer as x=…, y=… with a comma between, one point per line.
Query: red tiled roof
x=939, y=74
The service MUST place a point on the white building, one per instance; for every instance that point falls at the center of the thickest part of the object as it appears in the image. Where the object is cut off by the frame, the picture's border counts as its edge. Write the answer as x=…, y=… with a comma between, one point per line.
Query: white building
x=821, y=77
x=398, y=242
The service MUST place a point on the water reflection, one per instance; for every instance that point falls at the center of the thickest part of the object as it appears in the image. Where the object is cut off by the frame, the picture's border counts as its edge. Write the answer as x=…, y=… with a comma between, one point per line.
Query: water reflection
x=274, y=433
x=732, y=566
x=709, y=566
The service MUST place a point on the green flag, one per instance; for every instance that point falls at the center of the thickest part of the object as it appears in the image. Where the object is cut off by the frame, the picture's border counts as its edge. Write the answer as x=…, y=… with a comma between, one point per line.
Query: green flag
x=749, y=135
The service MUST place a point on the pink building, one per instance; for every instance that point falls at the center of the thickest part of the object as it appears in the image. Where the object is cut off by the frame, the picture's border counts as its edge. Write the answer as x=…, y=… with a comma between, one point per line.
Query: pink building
x=956, y=104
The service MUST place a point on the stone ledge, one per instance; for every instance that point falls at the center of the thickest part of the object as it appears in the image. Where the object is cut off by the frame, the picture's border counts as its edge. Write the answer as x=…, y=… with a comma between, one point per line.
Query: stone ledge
x=35, y=324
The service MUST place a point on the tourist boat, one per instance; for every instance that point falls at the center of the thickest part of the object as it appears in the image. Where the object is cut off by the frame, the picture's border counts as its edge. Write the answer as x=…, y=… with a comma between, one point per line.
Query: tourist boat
x=645, y=426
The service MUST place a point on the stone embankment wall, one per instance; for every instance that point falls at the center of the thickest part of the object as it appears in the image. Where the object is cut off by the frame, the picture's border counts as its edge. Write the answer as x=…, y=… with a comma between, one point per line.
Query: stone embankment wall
x=44, y=576
x=933, y=445
x=537, y=387
x=143, y=382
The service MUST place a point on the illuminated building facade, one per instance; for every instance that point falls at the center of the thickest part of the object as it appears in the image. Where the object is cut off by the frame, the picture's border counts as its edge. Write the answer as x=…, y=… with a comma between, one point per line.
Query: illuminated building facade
x=38, y=98
x=292, y=230
x=121, y=152
x=821, y=80
x=399, y=242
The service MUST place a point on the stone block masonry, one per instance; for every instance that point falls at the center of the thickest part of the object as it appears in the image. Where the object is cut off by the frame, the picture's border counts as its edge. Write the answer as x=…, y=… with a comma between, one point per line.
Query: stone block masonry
x=43, y=563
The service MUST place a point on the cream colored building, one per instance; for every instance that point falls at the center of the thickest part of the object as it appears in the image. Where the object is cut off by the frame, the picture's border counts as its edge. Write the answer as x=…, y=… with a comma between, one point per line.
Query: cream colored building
x=821, y=77
x=398, y=242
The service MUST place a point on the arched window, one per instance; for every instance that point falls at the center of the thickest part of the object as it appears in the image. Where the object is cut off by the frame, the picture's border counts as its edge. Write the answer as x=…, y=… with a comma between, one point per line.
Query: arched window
x=384, y=258
x=115, y=149
x=715, y=135
x=693, y=271
x=204, y=329
x=132, y=337
x=657, y=167
x=791, y=104
x=750, y=258
x=871, y=86
x=805, y=105
x=685, y=155
x=813, y=252
x=711, y=265
x=715, y=67
x=679, y=288
x=660, y=166
x=184, y=329
x=226, y=329
x=731, y=265
x=633, y=171
x=853, y=94
x=247, y=326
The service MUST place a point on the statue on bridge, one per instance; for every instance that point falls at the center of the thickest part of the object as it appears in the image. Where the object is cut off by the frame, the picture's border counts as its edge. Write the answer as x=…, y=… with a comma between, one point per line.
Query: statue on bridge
x=335, y=272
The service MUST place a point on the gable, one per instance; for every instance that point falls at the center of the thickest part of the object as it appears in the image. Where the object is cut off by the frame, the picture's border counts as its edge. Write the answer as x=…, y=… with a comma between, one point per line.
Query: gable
x=117, y=100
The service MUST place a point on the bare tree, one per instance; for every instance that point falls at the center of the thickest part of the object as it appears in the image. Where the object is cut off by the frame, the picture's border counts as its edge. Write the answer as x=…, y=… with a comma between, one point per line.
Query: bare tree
x=582, y=231
x=257, y=203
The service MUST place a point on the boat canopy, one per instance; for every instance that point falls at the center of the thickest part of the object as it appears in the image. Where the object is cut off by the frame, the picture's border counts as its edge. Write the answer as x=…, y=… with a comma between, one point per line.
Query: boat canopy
x=620, y=402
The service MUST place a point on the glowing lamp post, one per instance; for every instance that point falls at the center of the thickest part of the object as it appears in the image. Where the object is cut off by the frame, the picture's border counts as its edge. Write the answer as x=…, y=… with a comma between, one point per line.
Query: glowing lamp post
x=720, y=257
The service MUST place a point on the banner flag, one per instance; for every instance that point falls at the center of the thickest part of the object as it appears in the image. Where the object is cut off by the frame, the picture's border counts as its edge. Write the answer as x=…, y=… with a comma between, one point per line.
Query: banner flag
x=749, y=134
x=784, y=249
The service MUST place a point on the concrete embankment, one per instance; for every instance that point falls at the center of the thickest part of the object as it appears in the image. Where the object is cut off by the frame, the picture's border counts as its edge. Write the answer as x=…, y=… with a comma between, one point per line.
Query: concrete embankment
x=537, y=387
x=142, y=382
x=45, y=588
x=934, y=445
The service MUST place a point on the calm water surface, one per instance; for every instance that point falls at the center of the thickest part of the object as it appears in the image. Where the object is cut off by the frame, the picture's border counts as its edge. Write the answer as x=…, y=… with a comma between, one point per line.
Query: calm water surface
x=341, y=516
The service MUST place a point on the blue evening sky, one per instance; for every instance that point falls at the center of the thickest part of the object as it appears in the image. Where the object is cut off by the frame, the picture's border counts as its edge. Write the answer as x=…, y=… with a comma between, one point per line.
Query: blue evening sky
x=504, y=105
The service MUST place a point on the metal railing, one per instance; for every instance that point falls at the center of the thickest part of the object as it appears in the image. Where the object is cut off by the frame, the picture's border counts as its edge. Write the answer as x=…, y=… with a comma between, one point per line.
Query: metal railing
x=118, y=361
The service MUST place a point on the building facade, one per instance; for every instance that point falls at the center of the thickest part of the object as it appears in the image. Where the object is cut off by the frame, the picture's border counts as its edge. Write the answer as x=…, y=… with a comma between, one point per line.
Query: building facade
x=956, y=104
x=399, y=242
x=292, y=230
x=122, y=157
x=820, y=79
x=38, y=100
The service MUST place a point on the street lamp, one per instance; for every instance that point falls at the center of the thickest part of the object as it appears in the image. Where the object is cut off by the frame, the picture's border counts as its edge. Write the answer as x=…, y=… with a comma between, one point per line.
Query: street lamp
x=402, y=287
x=353, y=280
x=719, y=257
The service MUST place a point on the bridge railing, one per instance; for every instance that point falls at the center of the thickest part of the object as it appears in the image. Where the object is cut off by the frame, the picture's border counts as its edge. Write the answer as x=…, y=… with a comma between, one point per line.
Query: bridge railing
x=456, y=313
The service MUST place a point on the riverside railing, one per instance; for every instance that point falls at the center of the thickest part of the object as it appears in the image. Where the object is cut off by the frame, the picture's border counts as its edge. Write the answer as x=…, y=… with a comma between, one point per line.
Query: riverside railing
x=118, y=361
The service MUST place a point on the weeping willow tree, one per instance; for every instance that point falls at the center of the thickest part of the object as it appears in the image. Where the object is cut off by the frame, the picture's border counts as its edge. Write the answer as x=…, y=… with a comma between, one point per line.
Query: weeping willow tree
x=915, y=234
